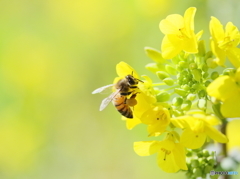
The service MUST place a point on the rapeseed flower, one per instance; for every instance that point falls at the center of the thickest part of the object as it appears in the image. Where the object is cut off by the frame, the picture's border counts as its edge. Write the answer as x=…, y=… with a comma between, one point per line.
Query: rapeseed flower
x=179, y=34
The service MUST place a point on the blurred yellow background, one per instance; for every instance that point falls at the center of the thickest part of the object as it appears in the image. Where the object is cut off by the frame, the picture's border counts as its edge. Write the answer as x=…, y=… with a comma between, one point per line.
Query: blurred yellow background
x=53, y=54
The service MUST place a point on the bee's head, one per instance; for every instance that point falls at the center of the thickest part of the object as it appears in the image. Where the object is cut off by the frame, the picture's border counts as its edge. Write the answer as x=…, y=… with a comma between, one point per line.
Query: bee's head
x=131, y=80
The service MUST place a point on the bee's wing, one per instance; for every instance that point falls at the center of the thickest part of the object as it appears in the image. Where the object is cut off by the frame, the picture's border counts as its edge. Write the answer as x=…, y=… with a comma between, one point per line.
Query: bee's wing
x=101, y=89
x=107, y=100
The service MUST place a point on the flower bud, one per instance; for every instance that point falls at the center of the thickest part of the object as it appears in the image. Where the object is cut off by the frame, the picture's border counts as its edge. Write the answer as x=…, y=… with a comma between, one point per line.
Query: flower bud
x=152, y=67
x=154, y=54
x=229, y=71
x=191, y=97
x=201, y=48
x=192, y=66
x=197, y=172
x=202, y=93
x=177, y=101
x=183, y=64
x=212, y=63
x=202, y=104
x=197, y=74
x=171, y=70
x=168, y=81
x=180, y=92
x=214, y=75
x=163, y=96
x=186, y=105
x=162, y=74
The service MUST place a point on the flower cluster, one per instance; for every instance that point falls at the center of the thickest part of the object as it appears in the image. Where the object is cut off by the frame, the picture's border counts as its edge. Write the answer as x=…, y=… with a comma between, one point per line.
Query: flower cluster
x=196, y=92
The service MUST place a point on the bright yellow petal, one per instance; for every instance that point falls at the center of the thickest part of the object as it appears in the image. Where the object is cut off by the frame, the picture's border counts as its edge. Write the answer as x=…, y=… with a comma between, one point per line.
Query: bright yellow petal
x=223, y=88
x=167, y=162
x=183, y=121
x=171, y=48
x=233, y=129
x=216, y=29
x=156, y=129
x=146, y=148
x=192, y=140
x=179, y=154
x=189, y=19
x=231, y=107
x=123, y=69
x=220, y=54
x=172, y=24
x=233, y=55
x=215, y=134
x=212, y=120
x=131, y=123
x=190, y=44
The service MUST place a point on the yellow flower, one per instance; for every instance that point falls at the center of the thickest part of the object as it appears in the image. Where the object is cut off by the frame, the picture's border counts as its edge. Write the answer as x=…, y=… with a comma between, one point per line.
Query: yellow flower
x=196, y=129
x=179, y=34
x=227, y=89
x=224, y=43
x=157, y=118
x=171, y=155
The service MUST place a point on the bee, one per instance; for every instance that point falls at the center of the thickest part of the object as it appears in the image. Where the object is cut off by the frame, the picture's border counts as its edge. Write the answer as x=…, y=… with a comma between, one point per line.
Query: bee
x=123, y=97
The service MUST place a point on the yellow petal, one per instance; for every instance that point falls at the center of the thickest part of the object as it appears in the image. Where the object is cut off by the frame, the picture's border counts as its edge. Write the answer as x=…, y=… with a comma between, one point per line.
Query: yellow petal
x=131, y=123
x=183, y=121
x=233, y=129
x=231, y=107
x=192, y=140
x=216, y=29
x=189, y=19
x=190, y=44
x=212, y=120
x=167, y=162
x=233, y=55
x=215, y=134
x=171, y=48
x=172, y=24
x=123, y=69
x=179, y=154
x=146, y=148
x=223, y=88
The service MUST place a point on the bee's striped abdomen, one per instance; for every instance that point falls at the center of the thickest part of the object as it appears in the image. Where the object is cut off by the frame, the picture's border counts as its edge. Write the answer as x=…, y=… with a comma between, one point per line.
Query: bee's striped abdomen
x=122, y=107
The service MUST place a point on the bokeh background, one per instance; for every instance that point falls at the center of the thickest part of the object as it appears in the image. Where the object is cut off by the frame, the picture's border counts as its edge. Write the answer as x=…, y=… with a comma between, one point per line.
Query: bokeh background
x=53, y=54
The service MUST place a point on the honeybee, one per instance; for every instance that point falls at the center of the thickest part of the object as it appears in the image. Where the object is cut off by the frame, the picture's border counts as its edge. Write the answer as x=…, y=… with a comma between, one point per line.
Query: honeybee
x=124, y=96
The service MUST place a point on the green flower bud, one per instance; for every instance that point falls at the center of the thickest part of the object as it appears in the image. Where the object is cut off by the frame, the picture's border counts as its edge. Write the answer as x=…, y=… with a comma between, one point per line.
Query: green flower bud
x=153, y=67
x=183, y=64
x=171, y=70
x=186, y=105
x=196, y=86
x=162, y=74
x=197, y=172
x=179, y=68
x=197, y=74
x=168, y=81
x=204, y=67
x=205, y=74
x=205, y=153
x=154, y=54
x=207, y=83
x=175, y=59
x=191, y=97
x=207, y=169
x=180, y=92
x=211, y=160
x=209, y=54
x=214, y=75
x=177, y=101
x=163, y=96
x=193, y=66
x=202, y=93
x=185, y=87
x=195, y=163
x=201, y=48
x=211, y=63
